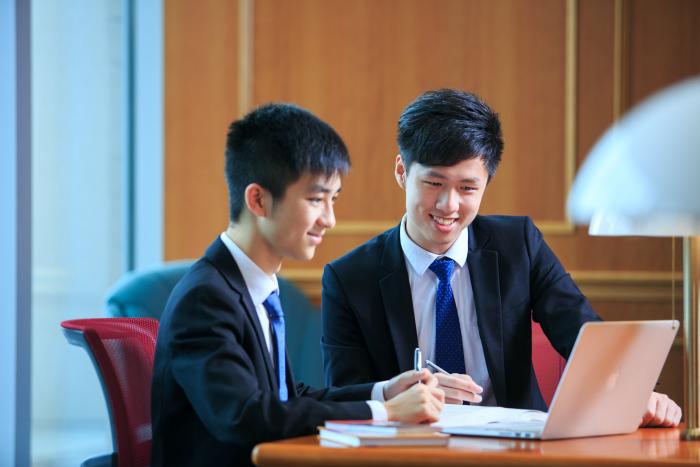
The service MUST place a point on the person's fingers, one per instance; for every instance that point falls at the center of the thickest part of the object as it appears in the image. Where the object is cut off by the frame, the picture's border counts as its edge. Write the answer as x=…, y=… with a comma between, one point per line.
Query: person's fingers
x=459, y=381
x=408, y=406
x=659, y=417
x=412, y=376
x=650, y=411
x=438, y=393
x=454, y=379
x=458, y=386
x=662, y=409
x=430, y=381
x=430, y=404
x=405, y=380
x=672, y=416
x=431, y=414
x=420, y=403
x=460, y=395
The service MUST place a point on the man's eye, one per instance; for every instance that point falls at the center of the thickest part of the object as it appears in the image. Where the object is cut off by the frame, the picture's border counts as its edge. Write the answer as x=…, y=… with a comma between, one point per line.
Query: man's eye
x=431, y=183
x=469, y=188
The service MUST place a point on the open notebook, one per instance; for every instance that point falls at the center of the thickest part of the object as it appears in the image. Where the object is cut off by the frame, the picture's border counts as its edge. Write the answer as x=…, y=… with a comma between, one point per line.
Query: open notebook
x=608, y=379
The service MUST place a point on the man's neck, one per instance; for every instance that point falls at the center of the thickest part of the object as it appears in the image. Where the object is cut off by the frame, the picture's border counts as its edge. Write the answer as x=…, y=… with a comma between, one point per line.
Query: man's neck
x=255, y=247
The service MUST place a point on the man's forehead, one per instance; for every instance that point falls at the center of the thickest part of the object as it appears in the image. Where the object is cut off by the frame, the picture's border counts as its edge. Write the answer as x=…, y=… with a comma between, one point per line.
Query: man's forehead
x=322, y=183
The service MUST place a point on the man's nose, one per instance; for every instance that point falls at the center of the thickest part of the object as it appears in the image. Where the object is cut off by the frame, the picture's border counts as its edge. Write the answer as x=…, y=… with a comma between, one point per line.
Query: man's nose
x=448, y=201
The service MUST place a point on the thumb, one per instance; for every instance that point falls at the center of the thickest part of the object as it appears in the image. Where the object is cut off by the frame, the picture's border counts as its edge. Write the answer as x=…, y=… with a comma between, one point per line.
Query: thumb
x=431, y=381
x=423, y=375
x=411, y=377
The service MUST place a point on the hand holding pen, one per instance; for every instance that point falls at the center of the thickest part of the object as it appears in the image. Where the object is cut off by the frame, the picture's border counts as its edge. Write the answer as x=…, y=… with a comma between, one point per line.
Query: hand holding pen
x=410, y=401
x=402, y=382
x=458, y=388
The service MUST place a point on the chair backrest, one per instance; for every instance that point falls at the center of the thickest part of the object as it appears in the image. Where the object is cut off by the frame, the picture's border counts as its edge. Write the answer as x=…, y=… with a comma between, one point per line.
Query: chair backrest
x=548, y=364
x=121, y=350
x=303, y=330
x=144, y=294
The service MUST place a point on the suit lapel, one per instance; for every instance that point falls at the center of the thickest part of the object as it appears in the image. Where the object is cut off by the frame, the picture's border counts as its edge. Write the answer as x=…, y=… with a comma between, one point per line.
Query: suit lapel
x=398, y=305
x=222, y=259
x=483, y=269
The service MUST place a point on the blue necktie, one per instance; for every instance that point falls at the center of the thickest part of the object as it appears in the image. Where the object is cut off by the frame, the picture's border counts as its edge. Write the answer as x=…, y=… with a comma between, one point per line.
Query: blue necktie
x=449, y=353
x=274, y=312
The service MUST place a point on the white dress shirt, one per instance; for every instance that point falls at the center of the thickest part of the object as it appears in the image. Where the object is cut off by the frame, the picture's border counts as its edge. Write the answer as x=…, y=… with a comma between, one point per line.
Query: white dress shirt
x=260, y=286
x=423, y=291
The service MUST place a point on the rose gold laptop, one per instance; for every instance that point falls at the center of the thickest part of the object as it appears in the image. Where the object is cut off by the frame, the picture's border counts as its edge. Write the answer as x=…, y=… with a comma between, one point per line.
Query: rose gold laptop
x=604, y=390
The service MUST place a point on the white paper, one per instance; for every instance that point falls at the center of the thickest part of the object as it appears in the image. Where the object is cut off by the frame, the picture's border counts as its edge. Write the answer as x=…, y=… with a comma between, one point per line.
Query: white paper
x=462, y=415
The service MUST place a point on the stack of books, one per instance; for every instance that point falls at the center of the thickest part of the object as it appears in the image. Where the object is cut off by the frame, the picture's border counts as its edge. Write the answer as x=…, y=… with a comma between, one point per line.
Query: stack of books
x=355, y=433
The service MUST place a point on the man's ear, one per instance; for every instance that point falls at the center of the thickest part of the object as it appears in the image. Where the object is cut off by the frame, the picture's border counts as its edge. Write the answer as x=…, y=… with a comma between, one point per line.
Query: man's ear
x=400, y=172
x=258, y=200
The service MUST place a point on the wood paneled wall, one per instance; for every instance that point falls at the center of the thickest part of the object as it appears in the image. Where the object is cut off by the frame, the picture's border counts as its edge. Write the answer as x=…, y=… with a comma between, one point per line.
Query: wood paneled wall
x=557, y=71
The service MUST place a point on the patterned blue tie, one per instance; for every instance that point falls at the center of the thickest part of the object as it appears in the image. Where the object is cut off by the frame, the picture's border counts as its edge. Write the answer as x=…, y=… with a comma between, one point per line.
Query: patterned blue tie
x=274, y=312
x=449, y=353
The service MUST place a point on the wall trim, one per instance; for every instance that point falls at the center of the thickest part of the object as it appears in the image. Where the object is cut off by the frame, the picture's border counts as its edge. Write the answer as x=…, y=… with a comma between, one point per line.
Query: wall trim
x=619, y=59
x=627, y=286
x=246, y=51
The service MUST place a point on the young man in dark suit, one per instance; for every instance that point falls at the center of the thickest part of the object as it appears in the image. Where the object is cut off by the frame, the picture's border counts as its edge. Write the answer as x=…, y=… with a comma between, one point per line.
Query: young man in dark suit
x=222, y=381
x=463, y=287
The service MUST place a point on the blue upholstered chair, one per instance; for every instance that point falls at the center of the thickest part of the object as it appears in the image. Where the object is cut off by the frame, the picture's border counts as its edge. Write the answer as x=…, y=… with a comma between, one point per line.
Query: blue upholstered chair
x=143, y=294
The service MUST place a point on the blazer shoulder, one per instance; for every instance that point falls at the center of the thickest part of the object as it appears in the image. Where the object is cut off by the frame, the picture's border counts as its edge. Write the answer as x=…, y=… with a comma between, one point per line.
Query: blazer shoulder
x=494, y=222
x=204, y=287
x=202, y=274
x=504, y=228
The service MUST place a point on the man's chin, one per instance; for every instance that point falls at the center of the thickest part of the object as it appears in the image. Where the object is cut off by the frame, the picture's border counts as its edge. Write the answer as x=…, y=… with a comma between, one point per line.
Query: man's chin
x=306, y=254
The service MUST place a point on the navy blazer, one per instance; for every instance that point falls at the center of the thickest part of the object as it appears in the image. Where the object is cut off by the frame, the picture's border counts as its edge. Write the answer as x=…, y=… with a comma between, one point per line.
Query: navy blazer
x=369, y=329
x=215, y=391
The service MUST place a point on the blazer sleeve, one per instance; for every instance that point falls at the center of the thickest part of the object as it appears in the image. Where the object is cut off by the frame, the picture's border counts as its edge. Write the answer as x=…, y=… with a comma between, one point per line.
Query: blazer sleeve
x=213, y=359
x=346, y=359
x=557, y=303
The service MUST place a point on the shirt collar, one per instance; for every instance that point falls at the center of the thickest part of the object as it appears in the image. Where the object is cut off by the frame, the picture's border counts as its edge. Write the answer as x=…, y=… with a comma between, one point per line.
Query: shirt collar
x=421, y=259
x=259, y=284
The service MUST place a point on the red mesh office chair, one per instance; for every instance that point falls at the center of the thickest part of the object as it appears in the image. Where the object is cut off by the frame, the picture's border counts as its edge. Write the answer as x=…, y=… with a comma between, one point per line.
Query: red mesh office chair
x=548, y=364
x=121, y=349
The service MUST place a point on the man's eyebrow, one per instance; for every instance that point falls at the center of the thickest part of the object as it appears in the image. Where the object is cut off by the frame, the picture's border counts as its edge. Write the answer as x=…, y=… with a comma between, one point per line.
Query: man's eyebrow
x=434, y=174
x=471, y=180
x=318, y=188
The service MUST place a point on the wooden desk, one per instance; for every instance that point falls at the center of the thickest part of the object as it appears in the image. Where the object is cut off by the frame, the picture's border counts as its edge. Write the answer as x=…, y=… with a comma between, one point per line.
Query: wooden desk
x=645, y=447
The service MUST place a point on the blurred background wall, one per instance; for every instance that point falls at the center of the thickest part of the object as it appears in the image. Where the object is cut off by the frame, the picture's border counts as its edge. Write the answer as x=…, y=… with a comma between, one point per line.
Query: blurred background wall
x=557, y=71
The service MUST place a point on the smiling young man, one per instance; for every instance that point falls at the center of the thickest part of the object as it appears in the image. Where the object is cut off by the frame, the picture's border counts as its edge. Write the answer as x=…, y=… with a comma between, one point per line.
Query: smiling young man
x=462, y=287
x=222, y=381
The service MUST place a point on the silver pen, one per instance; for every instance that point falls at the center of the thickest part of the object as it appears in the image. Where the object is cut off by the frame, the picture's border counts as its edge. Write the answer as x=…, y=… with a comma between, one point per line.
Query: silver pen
x=435, y=367
x=417, y=359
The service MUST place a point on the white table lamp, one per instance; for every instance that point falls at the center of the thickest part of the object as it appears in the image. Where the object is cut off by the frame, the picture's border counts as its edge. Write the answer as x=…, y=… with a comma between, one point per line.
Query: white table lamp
x=643, y=178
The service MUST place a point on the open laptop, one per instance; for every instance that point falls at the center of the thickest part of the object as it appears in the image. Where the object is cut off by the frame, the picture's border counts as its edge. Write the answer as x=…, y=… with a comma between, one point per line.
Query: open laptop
x=606, y=384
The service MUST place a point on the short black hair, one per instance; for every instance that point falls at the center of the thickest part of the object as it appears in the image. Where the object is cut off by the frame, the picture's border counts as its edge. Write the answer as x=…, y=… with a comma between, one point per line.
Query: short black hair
x=274, y=145
x=446, y=126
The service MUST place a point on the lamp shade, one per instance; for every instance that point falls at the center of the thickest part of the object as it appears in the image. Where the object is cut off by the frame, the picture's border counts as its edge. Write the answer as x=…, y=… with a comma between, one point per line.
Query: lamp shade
x=643, y=175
